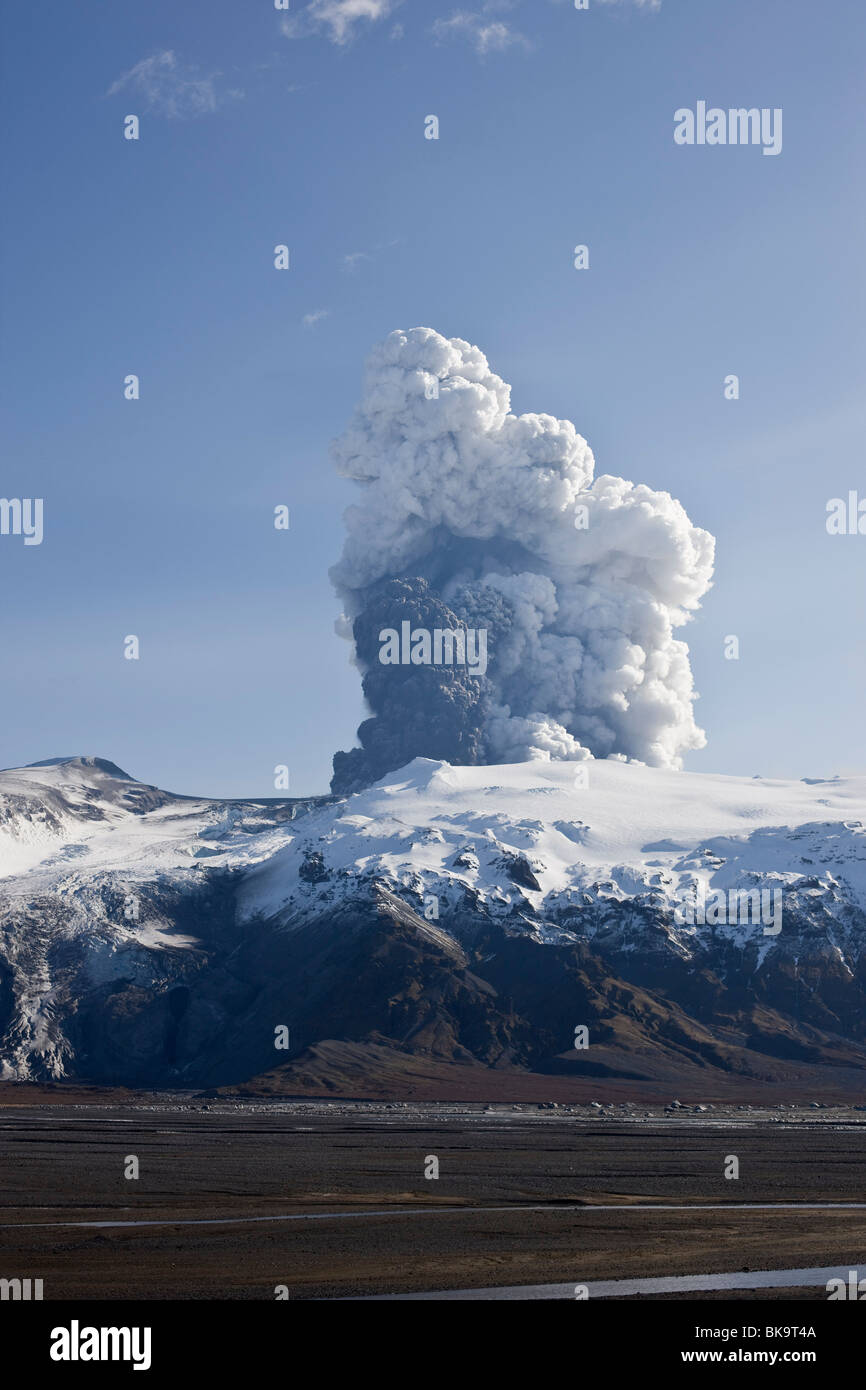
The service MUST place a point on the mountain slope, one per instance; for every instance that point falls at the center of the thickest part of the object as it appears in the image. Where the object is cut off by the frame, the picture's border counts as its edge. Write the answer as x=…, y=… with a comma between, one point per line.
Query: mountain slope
x=473, y=917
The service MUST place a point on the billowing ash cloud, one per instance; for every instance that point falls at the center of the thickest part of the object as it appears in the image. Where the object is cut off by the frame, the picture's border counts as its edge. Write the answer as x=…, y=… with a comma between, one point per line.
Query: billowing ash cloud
x=473, y=518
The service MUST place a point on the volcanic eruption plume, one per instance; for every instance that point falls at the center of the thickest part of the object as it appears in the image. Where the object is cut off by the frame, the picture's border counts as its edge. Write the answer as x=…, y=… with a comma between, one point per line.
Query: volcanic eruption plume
x=474, y=520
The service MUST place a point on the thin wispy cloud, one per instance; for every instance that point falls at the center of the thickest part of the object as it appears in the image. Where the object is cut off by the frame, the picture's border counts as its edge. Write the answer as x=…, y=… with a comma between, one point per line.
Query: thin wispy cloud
x=650, y=5
x=351, y=259
x=487, y=35
x=638, y=4
x=338, y=20
x=310, y=320
x=173, y=89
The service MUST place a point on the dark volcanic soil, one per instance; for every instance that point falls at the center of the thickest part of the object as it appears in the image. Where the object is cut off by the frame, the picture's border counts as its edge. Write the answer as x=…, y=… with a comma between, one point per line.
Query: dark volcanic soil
x=381, y=1227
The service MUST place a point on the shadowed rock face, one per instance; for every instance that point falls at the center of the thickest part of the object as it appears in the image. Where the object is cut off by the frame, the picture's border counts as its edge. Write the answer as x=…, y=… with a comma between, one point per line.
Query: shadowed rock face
x=366, y=968
x=418, y=711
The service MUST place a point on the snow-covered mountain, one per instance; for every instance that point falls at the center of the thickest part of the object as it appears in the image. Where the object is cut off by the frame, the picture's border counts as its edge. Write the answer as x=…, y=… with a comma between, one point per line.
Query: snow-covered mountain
x=469, y=915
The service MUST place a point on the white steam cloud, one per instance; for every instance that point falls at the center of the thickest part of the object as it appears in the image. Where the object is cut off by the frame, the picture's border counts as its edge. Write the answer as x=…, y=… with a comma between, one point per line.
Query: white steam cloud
x=581, y=581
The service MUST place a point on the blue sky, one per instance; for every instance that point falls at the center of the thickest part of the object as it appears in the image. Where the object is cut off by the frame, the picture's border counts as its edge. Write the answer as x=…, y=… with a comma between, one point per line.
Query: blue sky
x=155, y=257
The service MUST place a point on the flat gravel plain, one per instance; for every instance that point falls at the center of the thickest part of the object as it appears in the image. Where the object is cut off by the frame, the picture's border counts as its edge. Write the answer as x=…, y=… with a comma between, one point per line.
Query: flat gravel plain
x=330, y=1200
